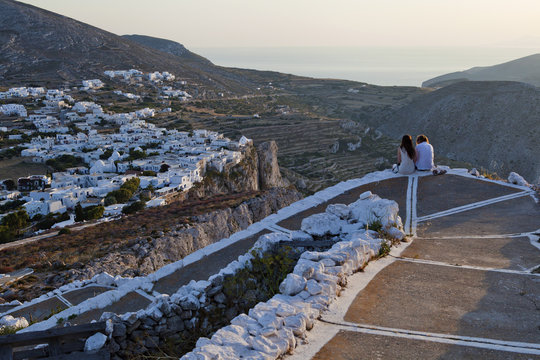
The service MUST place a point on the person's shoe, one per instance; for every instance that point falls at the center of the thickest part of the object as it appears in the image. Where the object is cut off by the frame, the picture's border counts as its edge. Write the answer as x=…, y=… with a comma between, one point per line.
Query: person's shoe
x=439, y=172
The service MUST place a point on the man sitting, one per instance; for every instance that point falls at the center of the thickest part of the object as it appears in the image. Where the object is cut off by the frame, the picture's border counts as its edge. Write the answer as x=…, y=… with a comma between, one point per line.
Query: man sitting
x=424, y=159
x=424, y=151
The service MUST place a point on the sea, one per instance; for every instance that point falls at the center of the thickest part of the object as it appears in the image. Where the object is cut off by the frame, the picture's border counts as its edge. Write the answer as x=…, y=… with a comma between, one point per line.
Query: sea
x=388, y=66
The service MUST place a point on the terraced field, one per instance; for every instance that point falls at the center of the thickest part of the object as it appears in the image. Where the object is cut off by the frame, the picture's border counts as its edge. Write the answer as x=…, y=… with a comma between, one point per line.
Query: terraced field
x=314, y=122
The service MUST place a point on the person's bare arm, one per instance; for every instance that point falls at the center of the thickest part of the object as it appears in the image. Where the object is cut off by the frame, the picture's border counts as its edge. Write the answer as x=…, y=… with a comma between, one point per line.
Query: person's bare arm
x=398, y=156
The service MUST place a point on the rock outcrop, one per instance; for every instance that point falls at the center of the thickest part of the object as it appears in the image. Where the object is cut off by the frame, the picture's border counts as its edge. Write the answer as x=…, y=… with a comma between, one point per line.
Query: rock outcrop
x=259, y=170
x=147, y=255
x=269, y=174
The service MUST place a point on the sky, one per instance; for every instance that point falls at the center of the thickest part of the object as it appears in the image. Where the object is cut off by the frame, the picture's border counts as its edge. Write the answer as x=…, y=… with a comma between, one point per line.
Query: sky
x=343, y=23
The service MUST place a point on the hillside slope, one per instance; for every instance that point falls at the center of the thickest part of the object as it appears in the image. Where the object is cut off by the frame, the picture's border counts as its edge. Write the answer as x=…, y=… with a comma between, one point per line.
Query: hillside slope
x=45, y=47
x=494, y=124
x=526, y=69
x=167, y=46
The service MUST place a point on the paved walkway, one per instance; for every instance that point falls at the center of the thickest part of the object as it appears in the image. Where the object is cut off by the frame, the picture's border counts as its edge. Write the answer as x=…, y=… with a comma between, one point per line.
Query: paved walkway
x=463, y=289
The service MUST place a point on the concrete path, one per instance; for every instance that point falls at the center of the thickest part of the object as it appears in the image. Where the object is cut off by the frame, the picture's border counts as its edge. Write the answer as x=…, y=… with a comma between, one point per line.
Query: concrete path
x=463, y=289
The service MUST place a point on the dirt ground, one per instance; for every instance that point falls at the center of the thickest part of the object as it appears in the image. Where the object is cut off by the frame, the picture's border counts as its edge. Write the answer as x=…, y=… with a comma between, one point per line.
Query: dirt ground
x=17, y=167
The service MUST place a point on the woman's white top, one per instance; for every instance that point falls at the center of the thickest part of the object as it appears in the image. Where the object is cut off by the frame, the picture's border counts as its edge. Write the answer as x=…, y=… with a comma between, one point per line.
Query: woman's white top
x=407, y=164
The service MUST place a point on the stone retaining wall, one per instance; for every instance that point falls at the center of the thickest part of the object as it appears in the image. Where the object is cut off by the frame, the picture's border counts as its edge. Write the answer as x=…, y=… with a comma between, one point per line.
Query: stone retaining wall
x=271, y=328
x=197, y=309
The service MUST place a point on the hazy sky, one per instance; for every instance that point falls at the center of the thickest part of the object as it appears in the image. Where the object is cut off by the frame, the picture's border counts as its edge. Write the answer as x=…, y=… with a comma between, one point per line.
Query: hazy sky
x=209, y=23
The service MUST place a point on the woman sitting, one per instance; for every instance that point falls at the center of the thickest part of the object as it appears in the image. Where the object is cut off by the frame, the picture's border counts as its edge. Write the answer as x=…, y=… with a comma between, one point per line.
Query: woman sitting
x=406, y=156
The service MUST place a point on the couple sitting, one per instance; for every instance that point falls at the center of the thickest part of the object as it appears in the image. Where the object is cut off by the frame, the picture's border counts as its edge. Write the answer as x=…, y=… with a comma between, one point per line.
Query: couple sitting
x=410, y=159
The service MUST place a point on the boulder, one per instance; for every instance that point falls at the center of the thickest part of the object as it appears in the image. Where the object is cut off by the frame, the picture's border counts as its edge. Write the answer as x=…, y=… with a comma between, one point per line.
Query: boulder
x=292, y=284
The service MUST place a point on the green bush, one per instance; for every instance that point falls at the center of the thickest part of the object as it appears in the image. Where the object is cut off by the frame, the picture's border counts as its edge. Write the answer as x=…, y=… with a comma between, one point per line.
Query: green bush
x=50, y=219
x=125, y=192
x=107, y=154
x=63, y=162
x=136, y=155
x=89, y=213
x=15, y=220
x=95, y=212
x=121, y=195
x=133, y=208
x=266, y=272
x=131, y=184
x=110, y=200
x=64, y=231
x=6, y=235
x=11, y=205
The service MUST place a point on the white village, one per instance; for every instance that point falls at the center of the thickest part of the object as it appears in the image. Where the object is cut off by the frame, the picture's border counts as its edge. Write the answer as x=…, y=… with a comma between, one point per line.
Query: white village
x=165, y=161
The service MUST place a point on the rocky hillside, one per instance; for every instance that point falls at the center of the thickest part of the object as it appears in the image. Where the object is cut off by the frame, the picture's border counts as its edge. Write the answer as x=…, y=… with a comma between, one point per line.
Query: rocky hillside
x=47, y=48
x=142, y=257
x=490, y=124
x=526, y=69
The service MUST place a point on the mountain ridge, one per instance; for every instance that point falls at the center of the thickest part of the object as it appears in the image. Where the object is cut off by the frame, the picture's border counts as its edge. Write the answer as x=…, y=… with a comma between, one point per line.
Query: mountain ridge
x=51, y=48
x=525, y=69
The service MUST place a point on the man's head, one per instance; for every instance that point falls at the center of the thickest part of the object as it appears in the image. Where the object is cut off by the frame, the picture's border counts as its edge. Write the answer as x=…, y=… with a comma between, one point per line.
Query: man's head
x=421, y=138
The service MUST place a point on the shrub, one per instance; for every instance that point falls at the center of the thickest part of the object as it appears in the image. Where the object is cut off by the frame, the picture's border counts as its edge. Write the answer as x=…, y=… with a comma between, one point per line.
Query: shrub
x=149, y=173
x=6, y=235
x=133, y=208
x=95, y=212
x=107, y=154
x=375, y=225
x=15, y=220
x=136, y=154
x=110, y=200
x=63, y=162
x=125, y=192
x=64, y=231
x=11, y=205
x=121, y=195
x=89, y=213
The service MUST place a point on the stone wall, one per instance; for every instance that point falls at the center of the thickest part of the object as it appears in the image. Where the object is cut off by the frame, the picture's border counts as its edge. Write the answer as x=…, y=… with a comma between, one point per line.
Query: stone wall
x=201, y=308
x=270, y=328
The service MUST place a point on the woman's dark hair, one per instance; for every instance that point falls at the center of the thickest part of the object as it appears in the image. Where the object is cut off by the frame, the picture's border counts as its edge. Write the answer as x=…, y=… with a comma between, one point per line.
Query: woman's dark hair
x=406, y=143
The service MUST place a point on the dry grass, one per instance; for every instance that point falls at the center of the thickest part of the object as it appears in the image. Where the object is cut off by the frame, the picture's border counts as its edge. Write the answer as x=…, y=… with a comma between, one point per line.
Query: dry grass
x=97, y=241
x=17, y=167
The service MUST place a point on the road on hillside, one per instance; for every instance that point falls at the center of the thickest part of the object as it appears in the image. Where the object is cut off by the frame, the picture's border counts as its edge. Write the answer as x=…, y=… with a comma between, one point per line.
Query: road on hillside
x=32, y=239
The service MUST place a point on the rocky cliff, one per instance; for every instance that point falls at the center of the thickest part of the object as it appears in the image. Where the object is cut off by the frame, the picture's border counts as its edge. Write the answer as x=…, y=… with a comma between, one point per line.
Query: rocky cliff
x=258, y=171
x=145, y=255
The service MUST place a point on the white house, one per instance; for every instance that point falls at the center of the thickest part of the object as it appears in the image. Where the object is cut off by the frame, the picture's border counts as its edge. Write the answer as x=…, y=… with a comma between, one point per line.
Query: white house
x=101, y=166
x=44, y=207
x=13, y=109
x=92, y=84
